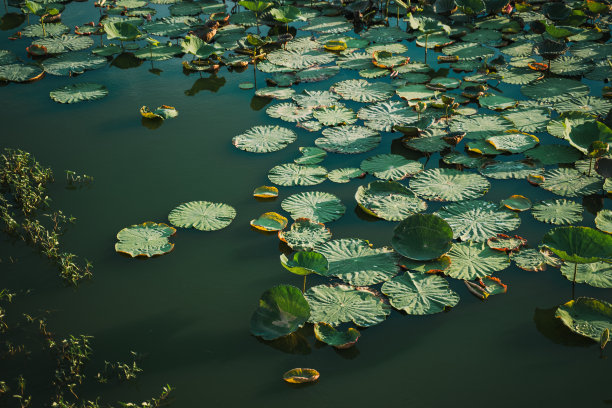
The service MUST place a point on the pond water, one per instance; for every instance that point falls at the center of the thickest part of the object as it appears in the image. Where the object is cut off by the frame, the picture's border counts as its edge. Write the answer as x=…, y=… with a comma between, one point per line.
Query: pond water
x=188, y=312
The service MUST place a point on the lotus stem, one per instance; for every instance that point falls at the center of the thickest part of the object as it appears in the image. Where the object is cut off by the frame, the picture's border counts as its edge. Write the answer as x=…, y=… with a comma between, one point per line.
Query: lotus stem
x=590, y=166
x=304, y=289
x=426, y=38
x=574, y=281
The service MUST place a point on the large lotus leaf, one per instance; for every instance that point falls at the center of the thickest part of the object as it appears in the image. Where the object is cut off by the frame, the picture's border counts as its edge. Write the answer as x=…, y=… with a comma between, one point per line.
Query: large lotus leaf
x=305, y=235
x=449, y=185
x=291, y=174
x=158, y=52
x=360, y=90
x=328, y=25
x=316, y=99
x=568, y=120
x=7, y=57
x=37, y=30
x=281, y=311
x=305, y=263
x=121, y=30
x=390, y=166
x=509, y=169
x=603, y=221
x=519, y=48
x=553, y=154
x=420, y=294
x=146, y=239
x=383, y=116
x=518, y=75
x=356, y=61
x=579, y=244
x=570, y=183
x=602, y=71
x=338, y=339
x=264, y=139
x=463, y=160
x=275, y=93
x=389, y=200
x=414, y=92
x=299, y=59
x=357, y=263
x=468, y=51
x=348, y=139
x=584, y=104
x=64, y=43
x=20, y=72
x=497, y=102
x=315, y=205
x=429, y=141
x=582, y=136
x=555, y=89
x=379, y=34
x=335, y=115
x=570, y=66
x=285, y=14
x=534, y=260
x=470, y=260
x=169, y=26
x=202, y=215
x=597, y=274
x=478, y=220
x=433, y=266
x=197, y=47
x=345, y=174
x=528, y=119
x=289, y=112
x=480, y=127
x=340, y=304
x=587, y=317
x=422, y=237
x=74, y=93
x=73, y=63
x=513, y=142
x=316, y=74
x=593, y=51
x=559, y=212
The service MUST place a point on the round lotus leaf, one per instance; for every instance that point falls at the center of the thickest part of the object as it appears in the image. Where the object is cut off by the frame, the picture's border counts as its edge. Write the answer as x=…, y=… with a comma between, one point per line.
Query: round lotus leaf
x=568, y=120
x=414, y=92
x=597, y=274
x=281, y=311
x=420, y=294
x=555, y=89
x=497, y=102
x=559, y=212
x=602, y=71
x=509, y=169
x=305, y=263
x=291, y=174
x=553, y=154
x=471, y=260
x=506, y=243
x=389, y=200
x=316, y=74
x=468, y=51
x=340, y=304
x=390, y=166
x=315, y=205
x=360, y=90
x=78, y=92
x=570, y=183
x=449, y=185
x=357, y=263
x=603, y=221
x=329, y=25
x=433, y=40
x=582, y=136
x=310, y=155
x=146, y=239
x=518, y=49
x=264, y=139
x=480, y=127
x=584, y=104
x=422, y=237
x=513, y=142
x=579, y=244
x=344, y=175
x=517, y=202
x=433, y=266
x=121, y=30
x=64, y=43
x=269, y=221
x=335, y=338
x=355, y=61
x=534, y=260
x=316, y=99
x=570, y=66
x=383, y=116
x=478, y=220
x=587, y=317
x=463, y=160
x=158, y=53
x=518, y=75
x=301, y=375
x=20, y=72
x=348, y=139
x=299, y=59
x=481, y=147
x=50, y=29
x=265, y=192
x=289, y=112
x=202, y=215
x=275, y=93
x=335, y=115
x=73, y=63
x=305, y=235
x=592, y=51
x=429, y=141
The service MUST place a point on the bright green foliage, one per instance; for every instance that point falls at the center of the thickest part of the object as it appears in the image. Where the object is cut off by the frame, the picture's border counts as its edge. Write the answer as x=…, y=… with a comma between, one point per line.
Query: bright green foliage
x=305, y=263
x=419, y=293
x=202, y=215
x=579, y=244
x=470, y=260
x=336, y=338
x=147, y=239
x=282, y=310
x=586, y=316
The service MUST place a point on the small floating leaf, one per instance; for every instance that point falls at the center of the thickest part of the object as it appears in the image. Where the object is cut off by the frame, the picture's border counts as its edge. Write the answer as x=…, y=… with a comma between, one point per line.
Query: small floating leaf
x=315, y=205
x=74, y=93
x=265, y=192
x=269, y=221
x=301, y=375
x=420, y=294
x=146, y=239
x=586, y=316
x=163, y=112
x=202, y=215
x=517, y=202
x=264, y=139
x=305, y=235
x=305, y=263
x=336, y=338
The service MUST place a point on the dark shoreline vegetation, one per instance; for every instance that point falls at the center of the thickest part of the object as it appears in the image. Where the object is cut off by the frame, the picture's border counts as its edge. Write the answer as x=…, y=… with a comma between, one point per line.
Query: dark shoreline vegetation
x=459, y=128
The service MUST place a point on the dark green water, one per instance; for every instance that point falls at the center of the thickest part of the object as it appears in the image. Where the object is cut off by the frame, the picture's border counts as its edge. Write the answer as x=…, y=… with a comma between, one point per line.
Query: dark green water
x=188, y=312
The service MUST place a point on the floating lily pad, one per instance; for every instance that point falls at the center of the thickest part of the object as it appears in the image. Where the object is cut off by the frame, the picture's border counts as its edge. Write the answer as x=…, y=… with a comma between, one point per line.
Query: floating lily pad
x=517, y=202
x=146, y=239
x=73, y=63
x=553, y=154
x=335, y=338
x=390, y=166
x=587, y=317
x=269, y=221
x=570, y=183
x=281, y=311
x=305, y=263
x=603, y=221
x=506, y=243
x=420, y=294
x=383, y=116
x=348, y=139
x=64, y=43
x=422, y=237
x=275, y=93
x=305, y=235
x=597, y=274
x=534, y=260
x=78, y=92
x=335, y=115
x=315, y=205
x=264, y=139
x=291, y=174
x=480, y=127
x=470, y=260
x=360, y=90
x=316, y=99
x=509, y=169
x=559, y=212
x=310, y=155
x=344, y=175
x=202, y=215
x=329, y=25
x=160, y=113
x=433, y=266
x=265, y=192
x=299, y=59
x=389, y=200
x=579, y=244
x=513, y=142
x=448, y=185
x=415, y=92
x=301, y=375
x=555, y=89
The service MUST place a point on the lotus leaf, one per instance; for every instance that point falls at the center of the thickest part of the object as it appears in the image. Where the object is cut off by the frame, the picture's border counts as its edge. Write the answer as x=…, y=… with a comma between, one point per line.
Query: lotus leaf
x=344, y=175
x=289, y=112
x=584, y=135
x=383, y=116
x=51, y=30
x=305, y=235
x=64, y=43
x=553, y=154
x=78, y=92
x=388, y=200
x=184, y=8
x=335, y=115
x=559, y=212
x=579, y=244
x=422, y=237
x=121, y=30
x=299, y=59
x=470, y=260
x=584, y=104
x=448, y=185
x=555, y=89
x=518, y=75
x=197, y=47
x=339, y=304
x=603, y=221
x=433, y=266
x=520, y=48
x=412, y=92
x=301, y=375
x=534, y=260
x=420, y=294
x=161, y=113
x=7, y=57
x=281, y=311
x=390, y=166
x=348, y=139
x=265, y=192
x=146, y=239
x=291, y=174
x=316, y=74
x=316, y=99
x=73, y=63
x=571, y=66
x=269, y=221
x=310, y=155
x=497, y=102
x=468, y=51
x=568, y=120
x=360, y=90
x=338, y=339
x=463, y=160
x=517, y=203
x=305, y=263
x=315, y=205
x=481, y=147
x=202, y=215
x=506, y=243
x=597, y=274
x=169, y=26
x=158, y=53
x=587, y=317
x=570, y=183
x=285, y=14
x=528, y=119
x=509, y=169
x=480, y=127
x=355, y=60
x=514, y=142
x=429, y=141
x=20, y=72
x=264, y=139
x=275, y=93
x=328, y=25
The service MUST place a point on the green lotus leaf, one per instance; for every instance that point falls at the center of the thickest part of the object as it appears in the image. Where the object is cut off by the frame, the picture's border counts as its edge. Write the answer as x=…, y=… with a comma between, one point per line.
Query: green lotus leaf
x=255, y=6
x=471, y=7
x=305, y=263
x=73, y=63
x=388, y=200
x=506, y=243
x=470, y=260
x=64, y=43
x=509, y=169
x=570, y=183
x=269, y=221
x=289, y=112
x=433, y=40
x=291, y=174
x=517, y=203
x=513, y=142
x=433, y=266
x=387, y=35
x=579, y=244
x=555, y=89
x=344, y=175
x=463, y=160
x=348, y=139
x=197, y=47
x=328, y=25
x=78, y=92
x=305, y=235
x=566, y=121
x=184, y=8
x=518, y=75
x=383, y=116
x=335, y=115
x=429, y=141
x=340, y=304
x=123, y=31
x=169, y=26
x=420, y=294
x=7, y=57
x=587, y=317
x=590, y=50
x=301, y=375
x=395, y=48
x=468, y=51
x=571, y=66
x=20, y=72
x=597, y=274
x=602, y=71
x=528, y=119
x=335, y=338
x=449, y=185
x=161, y=113
x=534, y=260
x=559, y=212
x=390, y=166
x=519, y=48
x=553, y=154
x=107, y=50
x=478, y=220
x=285, y=14
x=202, y=215
x=315, y=205
x=299, y=59
x=275, y=93
x=310, y=155
x=360, y=90
x=316, y=99
x=146, y=239
x=603, y=221
x=51, y=30
x=158, y=53
x=497, y=102
x=281, y=311
x=316, y=74
x=356, y=61
x=422, y=237
x=482, y=147
x=480, y=127
x=414, y=92
x=584, y=135
x=264, y=139
x=584, y=104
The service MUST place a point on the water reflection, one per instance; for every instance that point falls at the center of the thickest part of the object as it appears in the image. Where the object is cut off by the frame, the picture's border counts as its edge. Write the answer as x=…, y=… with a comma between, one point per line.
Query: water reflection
x=152, y=124
x=365, y=216
x=294, y=343
x=350, y=353
x=397, y=147
x=259, y=102
x=10, y=21
x=593, y=203
x=213, y=83
x=555, y=331
x=126, y=60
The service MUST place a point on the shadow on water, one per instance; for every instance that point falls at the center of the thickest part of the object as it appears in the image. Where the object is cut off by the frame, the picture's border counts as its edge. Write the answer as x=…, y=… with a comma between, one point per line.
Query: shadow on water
x=126, y=60
x=294, y=343
x=555, y=331
x=258, y=102
x=365, y=216
x=151, y=124
x=213, y=83
x=10, y=21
